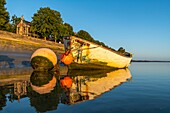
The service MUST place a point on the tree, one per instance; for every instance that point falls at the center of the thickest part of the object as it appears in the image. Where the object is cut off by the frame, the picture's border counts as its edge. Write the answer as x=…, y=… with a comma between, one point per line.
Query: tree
x=4, y=17
x=15, y=20
x=55, y=34
x=45, y=22
x=84, y=35
x=121, y=50
x=64, y=30
x=59, y=32
x=69, y=29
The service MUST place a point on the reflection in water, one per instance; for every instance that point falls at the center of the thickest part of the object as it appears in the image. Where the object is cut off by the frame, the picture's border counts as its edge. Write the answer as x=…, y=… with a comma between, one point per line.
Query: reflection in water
x=2, y=98
x=89, y=86
x=46, y=90
x=15, y=91
x=45, y=94
x=6, y=62
x=43, y=82
x=66, y=82
x=20, y=88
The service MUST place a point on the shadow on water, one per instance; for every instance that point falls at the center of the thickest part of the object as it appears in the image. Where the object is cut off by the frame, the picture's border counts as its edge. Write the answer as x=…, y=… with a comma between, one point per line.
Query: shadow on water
x=46, y=90
x=26, y=63
x=8, y=62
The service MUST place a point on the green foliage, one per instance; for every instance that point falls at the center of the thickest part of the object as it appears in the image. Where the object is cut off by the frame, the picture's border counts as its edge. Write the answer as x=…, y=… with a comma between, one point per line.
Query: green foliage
x=4, y=17
x=84, y=35
x=15, y=20
x=121, y=49
x=63, y=30
x=69, y=29
x=48, y=23
x=45, y=22
x=99, y=43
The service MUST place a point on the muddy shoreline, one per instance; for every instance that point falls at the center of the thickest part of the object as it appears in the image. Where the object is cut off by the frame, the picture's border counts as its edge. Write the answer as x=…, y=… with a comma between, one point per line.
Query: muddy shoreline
x=16, y=50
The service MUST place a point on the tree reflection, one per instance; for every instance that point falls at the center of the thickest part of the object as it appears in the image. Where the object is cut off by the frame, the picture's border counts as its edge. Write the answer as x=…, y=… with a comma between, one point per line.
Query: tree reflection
x=2, y=97
x=46, y=90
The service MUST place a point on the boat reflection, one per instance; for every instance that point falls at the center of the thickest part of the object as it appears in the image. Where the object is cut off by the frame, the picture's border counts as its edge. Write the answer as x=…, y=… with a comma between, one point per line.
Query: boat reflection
x=46, y=90
x=89, y=85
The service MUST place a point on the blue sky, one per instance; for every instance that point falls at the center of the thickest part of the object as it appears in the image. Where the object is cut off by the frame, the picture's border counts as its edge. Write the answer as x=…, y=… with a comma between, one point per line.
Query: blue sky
x=142, y=27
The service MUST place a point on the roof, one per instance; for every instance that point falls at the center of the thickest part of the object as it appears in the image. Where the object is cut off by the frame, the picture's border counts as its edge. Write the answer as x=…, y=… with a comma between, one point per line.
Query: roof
x=27, y=22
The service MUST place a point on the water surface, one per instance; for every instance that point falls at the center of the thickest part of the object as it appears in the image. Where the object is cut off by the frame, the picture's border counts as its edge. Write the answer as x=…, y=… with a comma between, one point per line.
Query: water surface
x=143, y=88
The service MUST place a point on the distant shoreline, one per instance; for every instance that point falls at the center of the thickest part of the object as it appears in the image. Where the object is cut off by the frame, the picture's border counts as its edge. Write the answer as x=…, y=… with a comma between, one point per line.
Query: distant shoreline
x=150, y=61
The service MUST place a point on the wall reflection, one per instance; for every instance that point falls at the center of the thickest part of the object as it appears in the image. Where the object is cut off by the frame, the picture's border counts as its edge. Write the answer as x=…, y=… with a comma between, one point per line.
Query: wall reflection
x=20, y=88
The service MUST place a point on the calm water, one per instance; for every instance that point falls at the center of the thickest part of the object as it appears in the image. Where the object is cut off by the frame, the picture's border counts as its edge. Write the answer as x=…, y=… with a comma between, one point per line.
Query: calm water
x=144, y=88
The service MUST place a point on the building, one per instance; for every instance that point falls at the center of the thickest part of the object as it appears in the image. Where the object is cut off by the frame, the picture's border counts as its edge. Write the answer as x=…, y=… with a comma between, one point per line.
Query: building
x=23, y=27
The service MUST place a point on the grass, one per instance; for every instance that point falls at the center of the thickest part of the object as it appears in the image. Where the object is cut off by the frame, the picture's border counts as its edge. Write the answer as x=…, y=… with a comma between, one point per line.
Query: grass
x=15, y=41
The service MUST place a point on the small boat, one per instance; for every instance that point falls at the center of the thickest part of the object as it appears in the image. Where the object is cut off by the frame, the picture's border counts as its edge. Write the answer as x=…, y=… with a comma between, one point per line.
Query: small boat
x=85, y=52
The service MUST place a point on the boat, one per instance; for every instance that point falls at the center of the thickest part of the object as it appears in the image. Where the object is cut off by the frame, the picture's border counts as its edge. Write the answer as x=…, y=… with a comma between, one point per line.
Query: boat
x=85, y=52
